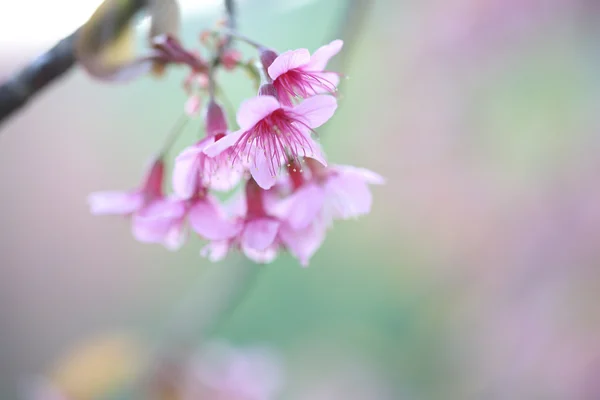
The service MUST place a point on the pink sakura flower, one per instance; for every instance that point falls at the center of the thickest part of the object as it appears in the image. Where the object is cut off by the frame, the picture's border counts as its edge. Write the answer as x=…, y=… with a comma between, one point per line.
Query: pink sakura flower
x=262, y=234
x=129, y=202
x=271, y=133
x=296, y=73
x=222, y=372
x=336, y=192
x=165, y=220
x=194, y=169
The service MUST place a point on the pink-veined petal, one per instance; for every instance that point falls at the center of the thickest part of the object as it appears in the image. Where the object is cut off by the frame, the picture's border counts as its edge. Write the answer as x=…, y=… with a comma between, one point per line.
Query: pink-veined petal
x=216, y=250
x=210, y=222
x=347, y=196
x=303, y=243
x=260, y=233
x=186, y=171
x=222, y=144
x=313, y=150
x=265, y=256
x=320, y=58
x=260, y=169
x=223, y=172
x=316, y=110
x=254, y=109
x=115, y=203
x=288, y=60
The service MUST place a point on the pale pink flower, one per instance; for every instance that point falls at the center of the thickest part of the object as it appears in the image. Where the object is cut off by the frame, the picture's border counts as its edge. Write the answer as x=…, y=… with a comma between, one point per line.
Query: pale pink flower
x=129, y=202
x=335, y=192
x=223, y=372
x=194, y=170
x=262, y=234
x=270, y=134
x=164, y=221
x=296, y=73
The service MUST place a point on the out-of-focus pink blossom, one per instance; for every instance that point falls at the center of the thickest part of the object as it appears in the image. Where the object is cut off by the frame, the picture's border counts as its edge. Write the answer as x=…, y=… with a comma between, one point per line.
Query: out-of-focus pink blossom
x=225, y=373
x=164, y=221
x=231, y=58
x=269, y=131
x=195, y=170
x=129, y=202
x=296, y=73
x=335, y=192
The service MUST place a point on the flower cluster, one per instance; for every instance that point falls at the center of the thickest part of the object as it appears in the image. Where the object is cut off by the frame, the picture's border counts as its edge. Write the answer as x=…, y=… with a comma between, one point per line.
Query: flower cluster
x=285, y=194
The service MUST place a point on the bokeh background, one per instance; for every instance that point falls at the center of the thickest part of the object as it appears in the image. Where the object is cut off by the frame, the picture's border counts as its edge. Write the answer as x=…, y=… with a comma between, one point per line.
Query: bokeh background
x=476, y=276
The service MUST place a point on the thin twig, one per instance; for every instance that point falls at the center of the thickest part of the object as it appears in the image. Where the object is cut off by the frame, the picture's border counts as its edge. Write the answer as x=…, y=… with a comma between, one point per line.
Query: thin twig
x=20, y=88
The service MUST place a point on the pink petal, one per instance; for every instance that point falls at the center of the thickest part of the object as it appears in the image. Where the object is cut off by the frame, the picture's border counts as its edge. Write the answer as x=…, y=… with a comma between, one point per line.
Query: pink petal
x=314, y=151
x=303, y=243
x=210, y=222
x=362, y=173
x=236, y=205
x=158, y=222
x=265, y=256
x=323, y=54
x=347, y=196
x=316, y=110
x=302, y=207
x=254, y=109
x=192, y=105
x=148, y=230
x=176, y=236
x=186, y=171
x=260, y=169
x=222, y=144
x=260, y=233
x=331, y=77
x=289, y=60
x=223, y=172
x=115, y=203
x=215, y=251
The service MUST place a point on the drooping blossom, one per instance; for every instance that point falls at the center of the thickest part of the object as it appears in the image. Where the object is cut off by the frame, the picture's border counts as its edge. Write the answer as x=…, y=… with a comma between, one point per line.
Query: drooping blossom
x=195, y=169
x=164, y=221
x=276, y=211
x=220, y=371
x=128, y=202
x=270, y=132
x=328, y=193
x=296, y=73
x=262, y=234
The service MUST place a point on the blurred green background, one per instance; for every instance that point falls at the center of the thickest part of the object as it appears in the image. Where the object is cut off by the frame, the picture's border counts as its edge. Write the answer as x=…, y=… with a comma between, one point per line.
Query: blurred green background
x=476, y=276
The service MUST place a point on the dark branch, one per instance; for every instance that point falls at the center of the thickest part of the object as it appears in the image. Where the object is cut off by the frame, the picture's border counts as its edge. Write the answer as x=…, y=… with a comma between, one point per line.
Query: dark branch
x=20, y=88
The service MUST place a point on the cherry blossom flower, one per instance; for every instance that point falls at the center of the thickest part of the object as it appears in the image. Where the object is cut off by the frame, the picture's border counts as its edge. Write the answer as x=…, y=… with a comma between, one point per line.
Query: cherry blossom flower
x=194, y=169
x=296, y=73
x=164, y=221
x=262, y=234
x=128, y=202
x=269, y=131
x=335, y=192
